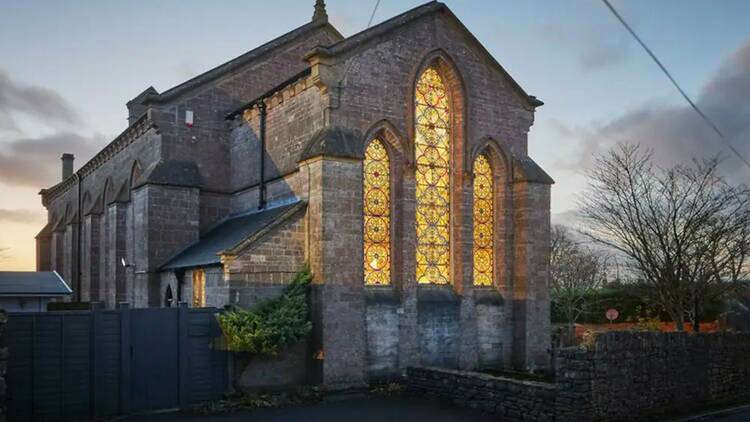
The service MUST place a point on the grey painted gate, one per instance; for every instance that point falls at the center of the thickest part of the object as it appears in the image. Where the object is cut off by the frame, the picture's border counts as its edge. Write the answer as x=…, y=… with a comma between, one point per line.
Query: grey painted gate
x=106, y=362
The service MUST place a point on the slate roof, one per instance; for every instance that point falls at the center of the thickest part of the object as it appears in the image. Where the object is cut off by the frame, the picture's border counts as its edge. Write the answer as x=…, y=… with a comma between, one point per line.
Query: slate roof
x=527, y=170
x=30, y=283
x=172, y=173
x=236, y=63
x=334, y=141
x=229, y=234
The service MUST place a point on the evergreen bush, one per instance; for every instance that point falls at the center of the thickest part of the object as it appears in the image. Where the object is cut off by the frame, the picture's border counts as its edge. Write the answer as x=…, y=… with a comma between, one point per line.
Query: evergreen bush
x=271, y=324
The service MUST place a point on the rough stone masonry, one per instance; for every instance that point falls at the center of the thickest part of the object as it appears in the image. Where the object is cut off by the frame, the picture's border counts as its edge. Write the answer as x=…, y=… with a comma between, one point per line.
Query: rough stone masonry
x=620, y=376
x=223, y=187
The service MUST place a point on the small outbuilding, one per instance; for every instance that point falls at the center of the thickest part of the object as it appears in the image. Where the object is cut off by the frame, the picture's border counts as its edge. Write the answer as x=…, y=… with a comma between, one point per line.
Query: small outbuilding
x=31, y=291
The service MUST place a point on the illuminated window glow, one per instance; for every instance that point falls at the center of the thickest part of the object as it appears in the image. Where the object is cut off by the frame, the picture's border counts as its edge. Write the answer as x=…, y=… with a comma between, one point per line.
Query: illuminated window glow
x=483, y=222
x=432, y=152
x=377, y=214
x=199, y=289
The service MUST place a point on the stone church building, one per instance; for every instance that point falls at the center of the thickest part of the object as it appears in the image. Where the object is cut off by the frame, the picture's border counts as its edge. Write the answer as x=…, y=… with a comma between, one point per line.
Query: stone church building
x=395, y=162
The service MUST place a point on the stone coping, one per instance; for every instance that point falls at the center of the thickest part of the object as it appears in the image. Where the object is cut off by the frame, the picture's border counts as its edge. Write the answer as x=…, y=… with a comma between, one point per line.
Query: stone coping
x=437, y=294
x=375, y=295
x=488, y=296
x=486, y=377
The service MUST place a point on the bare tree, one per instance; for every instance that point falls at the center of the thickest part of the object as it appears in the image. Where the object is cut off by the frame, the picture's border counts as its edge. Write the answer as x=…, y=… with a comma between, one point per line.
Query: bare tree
x=576, y=272
x=685, y=230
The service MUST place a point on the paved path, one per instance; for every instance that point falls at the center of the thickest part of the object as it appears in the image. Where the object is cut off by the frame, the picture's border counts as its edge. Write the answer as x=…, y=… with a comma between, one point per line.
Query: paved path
x=355, y=410
x=740, y=414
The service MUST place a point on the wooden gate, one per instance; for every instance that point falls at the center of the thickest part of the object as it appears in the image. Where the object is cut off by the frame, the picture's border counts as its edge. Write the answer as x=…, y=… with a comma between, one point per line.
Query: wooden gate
x=74, y=364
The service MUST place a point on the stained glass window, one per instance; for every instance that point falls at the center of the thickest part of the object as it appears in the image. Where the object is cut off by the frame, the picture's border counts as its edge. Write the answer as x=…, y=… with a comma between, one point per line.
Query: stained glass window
x=483, y=222
x=432, y=151
x=377, y=214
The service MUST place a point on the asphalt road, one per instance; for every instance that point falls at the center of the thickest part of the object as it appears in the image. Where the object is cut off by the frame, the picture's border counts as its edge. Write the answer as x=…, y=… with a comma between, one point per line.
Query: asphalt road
x=384, y=409
x=741, y=414
x=354, y=410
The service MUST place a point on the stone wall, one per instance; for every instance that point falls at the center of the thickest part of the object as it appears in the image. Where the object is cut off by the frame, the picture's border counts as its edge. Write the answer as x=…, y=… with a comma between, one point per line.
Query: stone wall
x=619, y=376
x=263, y=373
x=510, y=398
x=644, y=376
x=293, y=115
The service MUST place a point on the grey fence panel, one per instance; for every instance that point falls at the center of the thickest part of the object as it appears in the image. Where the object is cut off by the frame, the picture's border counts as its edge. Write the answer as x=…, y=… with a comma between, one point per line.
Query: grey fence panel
x=20, y=371
x=154, y=364
x=107, y=363
x=47, y=355
x=75, y=387
x=74, y=364
x=207, y=366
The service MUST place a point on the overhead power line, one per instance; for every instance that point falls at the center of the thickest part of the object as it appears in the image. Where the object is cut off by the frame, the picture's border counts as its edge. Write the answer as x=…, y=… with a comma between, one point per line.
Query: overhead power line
x=705, y=118
x=373, y=13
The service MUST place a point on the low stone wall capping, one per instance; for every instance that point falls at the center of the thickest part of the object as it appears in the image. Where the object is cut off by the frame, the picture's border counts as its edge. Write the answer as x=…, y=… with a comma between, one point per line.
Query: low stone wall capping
x=618, y=376
x=515, y=399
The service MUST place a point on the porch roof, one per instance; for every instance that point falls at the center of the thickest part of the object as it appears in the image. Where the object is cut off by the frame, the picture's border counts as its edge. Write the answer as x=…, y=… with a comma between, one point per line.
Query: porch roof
x=227, y=235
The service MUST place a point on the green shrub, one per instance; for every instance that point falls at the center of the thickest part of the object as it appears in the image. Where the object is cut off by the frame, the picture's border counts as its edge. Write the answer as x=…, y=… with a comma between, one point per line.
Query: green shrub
x=271, y=324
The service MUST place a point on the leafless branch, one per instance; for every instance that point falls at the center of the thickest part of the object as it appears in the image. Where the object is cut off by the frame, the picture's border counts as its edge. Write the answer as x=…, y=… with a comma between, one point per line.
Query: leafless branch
x=684, y=229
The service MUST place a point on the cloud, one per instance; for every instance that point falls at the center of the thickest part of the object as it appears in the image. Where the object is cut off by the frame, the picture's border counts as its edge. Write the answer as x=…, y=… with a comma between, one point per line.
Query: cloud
x=38, y=102
x=604, y=53
x=676, y=133
x=21, y=216
x=594, y=46
x=35, y=162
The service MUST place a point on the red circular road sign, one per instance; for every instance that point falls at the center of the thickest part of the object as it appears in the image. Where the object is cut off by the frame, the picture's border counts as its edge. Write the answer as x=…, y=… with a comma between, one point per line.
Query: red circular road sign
x=612, y=314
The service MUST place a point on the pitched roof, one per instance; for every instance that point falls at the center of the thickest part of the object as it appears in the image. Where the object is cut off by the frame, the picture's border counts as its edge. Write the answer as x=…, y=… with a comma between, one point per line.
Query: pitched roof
x=238, y=62
x=229, y=235
x=269, y=93
x=334, y=141
x=31, y=283
x=527, y=170
x=386, y=26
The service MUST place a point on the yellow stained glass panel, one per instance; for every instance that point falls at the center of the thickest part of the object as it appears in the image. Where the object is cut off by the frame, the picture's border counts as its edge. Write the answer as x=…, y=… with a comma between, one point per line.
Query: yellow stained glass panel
x=432, y=151
x=377, y=214
x=483, y=222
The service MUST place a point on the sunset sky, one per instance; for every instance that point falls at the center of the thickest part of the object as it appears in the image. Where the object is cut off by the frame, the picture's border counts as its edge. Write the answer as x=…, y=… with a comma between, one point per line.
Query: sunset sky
x=68, y=68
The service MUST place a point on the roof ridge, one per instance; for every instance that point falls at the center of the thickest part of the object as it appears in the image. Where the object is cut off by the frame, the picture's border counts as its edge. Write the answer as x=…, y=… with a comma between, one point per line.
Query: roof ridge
x=413, y=13
x=237, y=62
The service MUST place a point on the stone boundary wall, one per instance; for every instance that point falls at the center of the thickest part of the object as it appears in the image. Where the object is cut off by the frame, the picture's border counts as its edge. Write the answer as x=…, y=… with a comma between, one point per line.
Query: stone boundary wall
x=650, y=375
x=618, y=376
x=514, y=399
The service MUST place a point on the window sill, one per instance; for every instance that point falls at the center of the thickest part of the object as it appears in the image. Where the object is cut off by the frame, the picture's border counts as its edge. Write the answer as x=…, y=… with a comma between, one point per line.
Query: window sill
x=488, y=295
x=433, y=293
x=375, y=295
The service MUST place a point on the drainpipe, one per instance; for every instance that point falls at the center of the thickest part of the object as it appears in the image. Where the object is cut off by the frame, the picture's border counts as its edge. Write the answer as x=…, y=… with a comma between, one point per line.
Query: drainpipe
x=262, y=135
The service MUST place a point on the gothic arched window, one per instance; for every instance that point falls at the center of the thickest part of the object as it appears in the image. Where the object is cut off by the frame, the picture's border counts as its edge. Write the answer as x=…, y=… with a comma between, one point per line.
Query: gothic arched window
x=377, y=214
x=432, y=148
x=484, y=226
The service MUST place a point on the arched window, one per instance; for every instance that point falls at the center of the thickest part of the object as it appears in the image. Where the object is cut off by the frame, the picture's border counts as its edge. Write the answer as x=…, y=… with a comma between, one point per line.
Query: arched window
x=135, y=173
x=484, y=226
x=377, y=214
x=432, y=148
